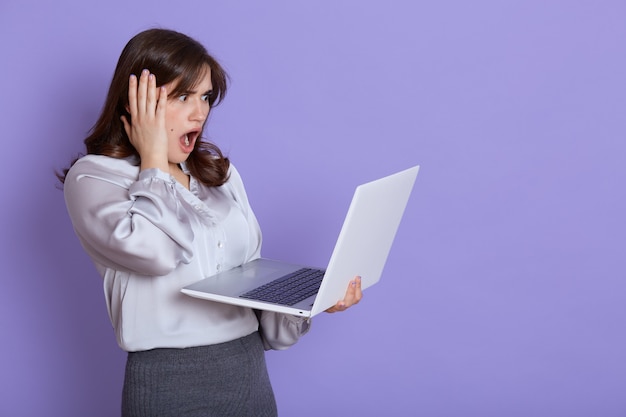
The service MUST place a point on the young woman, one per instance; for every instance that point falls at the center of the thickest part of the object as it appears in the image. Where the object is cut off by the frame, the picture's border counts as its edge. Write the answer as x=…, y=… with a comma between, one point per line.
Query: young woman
x=158, y=208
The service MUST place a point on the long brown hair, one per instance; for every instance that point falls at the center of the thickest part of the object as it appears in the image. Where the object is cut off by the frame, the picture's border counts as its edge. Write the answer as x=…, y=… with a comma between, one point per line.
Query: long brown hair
x=170, y=56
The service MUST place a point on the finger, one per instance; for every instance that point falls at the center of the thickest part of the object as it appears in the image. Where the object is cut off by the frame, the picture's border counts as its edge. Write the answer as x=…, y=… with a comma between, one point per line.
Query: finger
x=162, y=103
x=358, y=290
x=132, y=95
x=142, y=92
x=340, y=306
x=353, y=293
x=151, y=99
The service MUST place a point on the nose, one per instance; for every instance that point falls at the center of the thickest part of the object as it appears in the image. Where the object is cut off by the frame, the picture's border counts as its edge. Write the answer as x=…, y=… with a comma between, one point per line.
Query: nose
x=200, y=111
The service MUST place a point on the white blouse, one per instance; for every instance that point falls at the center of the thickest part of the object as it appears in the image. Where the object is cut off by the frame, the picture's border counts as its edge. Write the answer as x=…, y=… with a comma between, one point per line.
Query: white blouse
x=149, y=236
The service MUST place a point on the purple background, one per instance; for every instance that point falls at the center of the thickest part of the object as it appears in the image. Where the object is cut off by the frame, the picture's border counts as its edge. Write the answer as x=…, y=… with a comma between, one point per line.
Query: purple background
x=504, y=291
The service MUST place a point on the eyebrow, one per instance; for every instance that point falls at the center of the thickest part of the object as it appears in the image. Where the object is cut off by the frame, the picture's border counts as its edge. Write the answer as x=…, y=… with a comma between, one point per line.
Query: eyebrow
x=196, y=91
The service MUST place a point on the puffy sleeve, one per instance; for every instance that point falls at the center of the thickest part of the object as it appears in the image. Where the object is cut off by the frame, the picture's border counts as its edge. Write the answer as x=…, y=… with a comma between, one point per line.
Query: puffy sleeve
x=128, y=220
x=280, y=331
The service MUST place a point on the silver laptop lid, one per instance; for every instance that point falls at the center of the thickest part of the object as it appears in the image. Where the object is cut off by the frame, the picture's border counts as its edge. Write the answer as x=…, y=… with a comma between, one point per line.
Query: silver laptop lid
x=366, y=236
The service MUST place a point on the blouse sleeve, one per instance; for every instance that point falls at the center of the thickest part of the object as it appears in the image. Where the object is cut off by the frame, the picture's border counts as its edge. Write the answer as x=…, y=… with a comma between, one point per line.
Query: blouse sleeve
x=129, y=224
x=280, y=331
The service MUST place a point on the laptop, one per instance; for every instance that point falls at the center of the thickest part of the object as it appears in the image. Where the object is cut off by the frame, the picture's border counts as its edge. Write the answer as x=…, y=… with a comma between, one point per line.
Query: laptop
x=361, y=249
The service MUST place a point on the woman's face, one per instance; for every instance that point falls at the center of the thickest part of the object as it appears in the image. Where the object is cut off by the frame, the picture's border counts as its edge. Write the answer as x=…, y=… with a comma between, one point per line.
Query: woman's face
x=185, y=116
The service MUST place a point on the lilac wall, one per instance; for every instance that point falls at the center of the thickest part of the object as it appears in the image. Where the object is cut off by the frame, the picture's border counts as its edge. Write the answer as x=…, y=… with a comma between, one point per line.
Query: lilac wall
x=504, y=292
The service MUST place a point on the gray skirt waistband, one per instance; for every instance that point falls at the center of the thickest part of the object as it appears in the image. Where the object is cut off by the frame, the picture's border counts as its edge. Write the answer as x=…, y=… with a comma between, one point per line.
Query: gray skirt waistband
x=226, y=379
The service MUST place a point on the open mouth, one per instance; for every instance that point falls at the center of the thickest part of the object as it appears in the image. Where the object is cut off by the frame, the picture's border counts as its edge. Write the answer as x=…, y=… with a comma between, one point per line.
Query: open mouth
x=188, y=140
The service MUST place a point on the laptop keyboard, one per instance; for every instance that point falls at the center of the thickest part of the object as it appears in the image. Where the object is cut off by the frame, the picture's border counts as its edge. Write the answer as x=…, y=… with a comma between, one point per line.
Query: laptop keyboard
x=290, y=289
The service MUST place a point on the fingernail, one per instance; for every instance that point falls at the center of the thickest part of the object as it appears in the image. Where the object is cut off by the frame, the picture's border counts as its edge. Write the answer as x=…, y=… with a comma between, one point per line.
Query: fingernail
x=145, y=71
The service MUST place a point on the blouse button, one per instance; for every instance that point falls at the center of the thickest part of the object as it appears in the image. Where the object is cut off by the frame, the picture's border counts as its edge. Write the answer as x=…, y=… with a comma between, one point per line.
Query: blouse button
x=218, y=267
x=220, y=244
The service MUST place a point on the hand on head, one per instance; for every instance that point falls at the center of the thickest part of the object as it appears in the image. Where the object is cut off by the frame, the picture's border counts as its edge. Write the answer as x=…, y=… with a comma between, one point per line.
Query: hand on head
x=146, y=127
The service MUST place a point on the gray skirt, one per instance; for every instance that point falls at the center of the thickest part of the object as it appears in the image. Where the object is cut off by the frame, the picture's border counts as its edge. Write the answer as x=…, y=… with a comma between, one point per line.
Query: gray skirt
x=227, y=379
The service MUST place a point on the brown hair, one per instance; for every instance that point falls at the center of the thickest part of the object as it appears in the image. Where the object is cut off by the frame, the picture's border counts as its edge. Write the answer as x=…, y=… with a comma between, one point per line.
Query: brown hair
x=170, y=56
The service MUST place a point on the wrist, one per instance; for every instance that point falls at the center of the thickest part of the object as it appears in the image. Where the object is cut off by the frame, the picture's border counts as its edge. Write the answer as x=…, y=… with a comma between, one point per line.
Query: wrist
x=154, y=161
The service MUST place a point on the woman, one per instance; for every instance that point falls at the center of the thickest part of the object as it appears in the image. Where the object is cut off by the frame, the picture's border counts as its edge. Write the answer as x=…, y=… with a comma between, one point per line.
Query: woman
x=157, y=208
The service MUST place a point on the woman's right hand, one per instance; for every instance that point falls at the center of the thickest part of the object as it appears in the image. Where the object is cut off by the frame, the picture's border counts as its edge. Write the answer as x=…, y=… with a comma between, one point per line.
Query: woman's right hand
x=146, y=129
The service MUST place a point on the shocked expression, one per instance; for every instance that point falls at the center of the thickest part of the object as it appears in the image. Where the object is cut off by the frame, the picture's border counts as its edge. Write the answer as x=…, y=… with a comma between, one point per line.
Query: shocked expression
x=185, y=116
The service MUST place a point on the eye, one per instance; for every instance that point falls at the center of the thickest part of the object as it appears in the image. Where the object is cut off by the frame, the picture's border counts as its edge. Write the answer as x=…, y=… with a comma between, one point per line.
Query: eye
x=207, y=96
x=182, y=97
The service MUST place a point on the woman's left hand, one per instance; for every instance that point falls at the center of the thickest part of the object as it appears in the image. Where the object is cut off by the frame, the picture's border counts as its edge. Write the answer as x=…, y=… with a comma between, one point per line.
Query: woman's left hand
x=352, y=297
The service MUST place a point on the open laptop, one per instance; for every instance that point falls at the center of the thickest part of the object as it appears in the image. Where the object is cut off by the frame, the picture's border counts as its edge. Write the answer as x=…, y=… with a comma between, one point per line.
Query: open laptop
x=361, y=249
